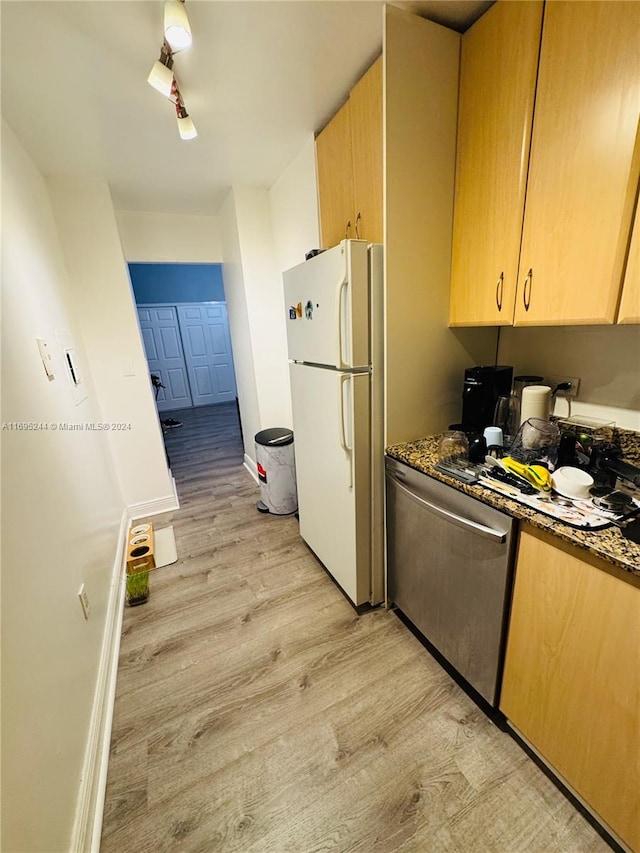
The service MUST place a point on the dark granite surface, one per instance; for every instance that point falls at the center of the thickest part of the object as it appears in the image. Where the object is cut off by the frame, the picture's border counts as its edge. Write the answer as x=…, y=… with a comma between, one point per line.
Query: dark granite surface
x=608, y=543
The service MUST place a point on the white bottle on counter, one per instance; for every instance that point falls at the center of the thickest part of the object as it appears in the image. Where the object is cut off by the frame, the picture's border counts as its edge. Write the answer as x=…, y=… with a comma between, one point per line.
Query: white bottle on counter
x=536, y=402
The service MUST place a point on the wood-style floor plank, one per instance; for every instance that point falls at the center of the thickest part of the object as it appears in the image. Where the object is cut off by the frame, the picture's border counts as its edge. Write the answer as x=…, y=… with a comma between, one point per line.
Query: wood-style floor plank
x=256, y=712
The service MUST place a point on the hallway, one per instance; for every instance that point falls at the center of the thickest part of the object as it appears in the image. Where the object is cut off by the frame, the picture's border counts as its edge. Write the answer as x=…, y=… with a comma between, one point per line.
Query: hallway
x=255, y=711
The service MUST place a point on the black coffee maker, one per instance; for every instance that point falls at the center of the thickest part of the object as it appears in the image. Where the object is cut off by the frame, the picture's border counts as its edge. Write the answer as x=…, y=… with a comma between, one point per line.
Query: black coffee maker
x=482, y=387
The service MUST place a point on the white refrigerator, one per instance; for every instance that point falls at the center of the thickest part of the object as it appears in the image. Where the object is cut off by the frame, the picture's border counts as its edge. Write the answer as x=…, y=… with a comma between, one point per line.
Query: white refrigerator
x=334, y=304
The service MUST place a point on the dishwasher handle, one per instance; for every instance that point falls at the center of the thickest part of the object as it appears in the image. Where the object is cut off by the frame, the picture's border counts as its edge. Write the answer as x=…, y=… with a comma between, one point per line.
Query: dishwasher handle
x=466, y=523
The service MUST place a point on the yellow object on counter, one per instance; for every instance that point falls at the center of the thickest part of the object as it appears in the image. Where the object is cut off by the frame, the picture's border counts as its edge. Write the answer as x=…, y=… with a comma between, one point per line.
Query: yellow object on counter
x=537, y=475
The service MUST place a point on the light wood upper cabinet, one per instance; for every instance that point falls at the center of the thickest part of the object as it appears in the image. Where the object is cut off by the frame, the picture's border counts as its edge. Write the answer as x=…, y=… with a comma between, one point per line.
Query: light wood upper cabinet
x=366, y=152
x=349, y=163
x=497, y=87
x=630, y=303
x=582, y=179
x=335, y=178
x=572, y=674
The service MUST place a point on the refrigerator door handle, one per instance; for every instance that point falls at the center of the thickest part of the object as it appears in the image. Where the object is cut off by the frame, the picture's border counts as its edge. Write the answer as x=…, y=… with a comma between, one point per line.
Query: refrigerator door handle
x=340, y=364
x=342, y=432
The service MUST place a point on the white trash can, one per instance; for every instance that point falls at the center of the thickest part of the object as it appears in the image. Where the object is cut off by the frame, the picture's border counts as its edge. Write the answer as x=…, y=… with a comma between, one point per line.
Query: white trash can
x=276, y=471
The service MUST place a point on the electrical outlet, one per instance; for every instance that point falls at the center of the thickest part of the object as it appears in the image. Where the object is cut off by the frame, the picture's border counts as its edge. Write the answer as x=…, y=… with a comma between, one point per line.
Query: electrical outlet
x=84, y=601
x=557, y=380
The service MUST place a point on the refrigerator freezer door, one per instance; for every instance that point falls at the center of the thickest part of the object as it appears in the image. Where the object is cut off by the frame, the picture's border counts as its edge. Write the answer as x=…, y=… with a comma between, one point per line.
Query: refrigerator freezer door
x=327, y=304
x=332, y=451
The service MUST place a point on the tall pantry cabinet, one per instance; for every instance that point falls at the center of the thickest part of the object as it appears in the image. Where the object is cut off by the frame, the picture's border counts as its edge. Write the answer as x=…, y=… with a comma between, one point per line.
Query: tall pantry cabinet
x=582, y=175
x=412, y=178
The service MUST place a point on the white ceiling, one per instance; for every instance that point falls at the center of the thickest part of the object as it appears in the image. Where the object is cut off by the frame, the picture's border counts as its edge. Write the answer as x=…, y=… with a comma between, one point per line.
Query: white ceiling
x=260, y=77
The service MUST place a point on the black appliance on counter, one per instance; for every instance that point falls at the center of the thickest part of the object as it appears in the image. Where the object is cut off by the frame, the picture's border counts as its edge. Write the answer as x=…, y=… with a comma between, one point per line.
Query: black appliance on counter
x=482, y=387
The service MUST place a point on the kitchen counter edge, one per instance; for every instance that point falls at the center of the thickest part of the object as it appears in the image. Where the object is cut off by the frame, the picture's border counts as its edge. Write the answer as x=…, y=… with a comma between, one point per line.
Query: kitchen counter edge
x=607, y=543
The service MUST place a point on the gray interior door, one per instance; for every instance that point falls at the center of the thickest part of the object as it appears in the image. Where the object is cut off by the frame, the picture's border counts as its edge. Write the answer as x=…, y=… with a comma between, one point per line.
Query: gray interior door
x=163, y=346
x=207, y=350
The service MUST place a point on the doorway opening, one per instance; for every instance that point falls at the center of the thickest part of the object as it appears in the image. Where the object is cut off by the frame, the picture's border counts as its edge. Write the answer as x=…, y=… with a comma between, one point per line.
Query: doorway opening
x=184, y=326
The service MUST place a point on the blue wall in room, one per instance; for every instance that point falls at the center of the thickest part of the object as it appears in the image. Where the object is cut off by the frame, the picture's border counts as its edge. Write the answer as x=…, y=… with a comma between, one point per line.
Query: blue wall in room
x=172, y=283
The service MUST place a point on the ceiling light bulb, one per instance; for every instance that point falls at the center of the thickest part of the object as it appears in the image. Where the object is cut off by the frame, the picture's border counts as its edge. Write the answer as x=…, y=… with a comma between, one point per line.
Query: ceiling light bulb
x=161, y=74
x=186, y=127
x=176, y=25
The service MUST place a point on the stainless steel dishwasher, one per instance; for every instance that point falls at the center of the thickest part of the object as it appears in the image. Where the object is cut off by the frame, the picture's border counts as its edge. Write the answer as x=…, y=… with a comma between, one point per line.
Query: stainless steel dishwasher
x=450, y=563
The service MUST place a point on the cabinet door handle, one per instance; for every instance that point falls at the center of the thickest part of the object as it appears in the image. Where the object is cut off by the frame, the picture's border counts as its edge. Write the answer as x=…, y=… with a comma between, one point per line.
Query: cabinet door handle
x=347, y=229
x=499, y=291
x=358, y=218
x=526, y=290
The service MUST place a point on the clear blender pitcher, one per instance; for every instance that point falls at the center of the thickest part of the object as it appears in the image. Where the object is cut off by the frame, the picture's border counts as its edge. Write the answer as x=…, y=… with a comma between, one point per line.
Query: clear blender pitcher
x=507, y=417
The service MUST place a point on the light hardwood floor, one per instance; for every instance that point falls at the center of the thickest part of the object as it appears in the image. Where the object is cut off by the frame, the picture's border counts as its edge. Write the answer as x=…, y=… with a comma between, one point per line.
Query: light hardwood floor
x=257, y=712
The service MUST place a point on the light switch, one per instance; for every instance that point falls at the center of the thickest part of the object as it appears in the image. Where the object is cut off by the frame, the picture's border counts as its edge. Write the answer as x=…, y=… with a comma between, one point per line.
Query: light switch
x=128, y=368
x=45, y=355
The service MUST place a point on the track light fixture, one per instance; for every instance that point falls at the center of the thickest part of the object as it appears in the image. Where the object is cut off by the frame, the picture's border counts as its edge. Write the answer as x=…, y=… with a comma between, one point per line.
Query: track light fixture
x=177, y=36
x=186, y=127
x=161, y=74
x=177, y=31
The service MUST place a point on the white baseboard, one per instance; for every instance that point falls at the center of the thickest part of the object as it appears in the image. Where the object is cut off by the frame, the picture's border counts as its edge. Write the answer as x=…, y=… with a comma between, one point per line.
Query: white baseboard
x=88, y=820
x=251, y=467
x=156, y=506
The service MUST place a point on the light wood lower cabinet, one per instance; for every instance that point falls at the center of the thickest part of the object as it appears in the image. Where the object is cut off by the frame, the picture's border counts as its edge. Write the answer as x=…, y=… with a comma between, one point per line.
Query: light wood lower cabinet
x=572, y=674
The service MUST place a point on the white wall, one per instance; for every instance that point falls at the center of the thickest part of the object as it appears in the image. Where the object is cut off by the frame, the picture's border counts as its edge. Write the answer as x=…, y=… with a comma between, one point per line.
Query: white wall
x=61, y=514
x=160, y=237
x=255, y=299
x=104, y=302
x=265, y=304
x=243, y=357
x=606, y=359
x=294, y=209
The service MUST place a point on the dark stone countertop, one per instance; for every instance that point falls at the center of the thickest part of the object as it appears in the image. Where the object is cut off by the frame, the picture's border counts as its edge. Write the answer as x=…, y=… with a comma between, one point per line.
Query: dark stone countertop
x=607, y=543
